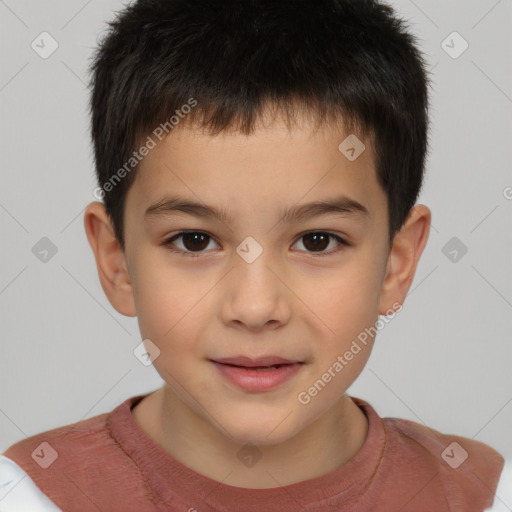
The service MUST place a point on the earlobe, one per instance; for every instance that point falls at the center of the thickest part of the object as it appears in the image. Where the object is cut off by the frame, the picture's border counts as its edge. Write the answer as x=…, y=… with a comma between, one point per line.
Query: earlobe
x=403, y=258
x=110, y=259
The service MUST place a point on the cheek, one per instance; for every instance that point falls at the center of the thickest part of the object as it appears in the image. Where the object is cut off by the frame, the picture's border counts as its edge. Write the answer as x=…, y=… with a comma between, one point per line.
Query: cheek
x=348, y=299
x=168, y=300
x=348, y=305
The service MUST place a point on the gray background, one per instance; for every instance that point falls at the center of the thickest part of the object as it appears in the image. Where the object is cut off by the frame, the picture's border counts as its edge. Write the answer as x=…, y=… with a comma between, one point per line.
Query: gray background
x=67, y=355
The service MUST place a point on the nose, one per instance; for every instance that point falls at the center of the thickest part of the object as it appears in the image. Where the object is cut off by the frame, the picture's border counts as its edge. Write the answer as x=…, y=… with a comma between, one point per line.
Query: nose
x=256, y=296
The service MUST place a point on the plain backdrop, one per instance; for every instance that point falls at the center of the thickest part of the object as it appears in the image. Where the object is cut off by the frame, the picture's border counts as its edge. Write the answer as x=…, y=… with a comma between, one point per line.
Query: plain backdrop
x=445, y=360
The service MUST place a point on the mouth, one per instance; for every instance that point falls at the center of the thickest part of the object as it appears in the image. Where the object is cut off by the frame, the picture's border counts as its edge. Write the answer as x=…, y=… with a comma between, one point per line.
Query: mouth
x=257, y=375
x=260, y=362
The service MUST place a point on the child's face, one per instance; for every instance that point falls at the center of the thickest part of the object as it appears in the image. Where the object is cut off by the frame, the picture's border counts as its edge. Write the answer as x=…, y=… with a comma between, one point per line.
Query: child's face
x=289, y=301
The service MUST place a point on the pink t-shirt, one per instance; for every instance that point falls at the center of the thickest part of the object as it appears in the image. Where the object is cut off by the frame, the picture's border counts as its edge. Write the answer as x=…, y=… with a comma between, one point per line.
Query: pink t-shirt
x=107, y=463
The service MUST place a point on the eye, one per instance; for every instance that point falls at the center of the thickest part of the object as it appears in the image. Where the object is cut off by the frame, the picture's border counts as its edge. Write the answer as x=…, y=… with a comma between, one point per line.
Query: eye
x=318, y=241
x=195, y=242
x=192, y=241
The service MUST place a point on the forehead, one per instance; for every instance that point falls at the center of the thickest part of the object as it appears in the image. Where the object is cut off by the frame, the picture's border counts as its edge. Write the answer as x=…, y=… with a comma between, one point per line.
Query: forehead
x=266, y=171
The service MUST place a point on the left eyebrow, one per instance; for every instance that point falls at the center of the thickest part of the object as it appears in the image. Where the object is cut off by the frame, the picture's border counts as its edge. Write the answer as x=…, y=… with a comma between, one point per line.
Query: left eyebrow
x=340, y=205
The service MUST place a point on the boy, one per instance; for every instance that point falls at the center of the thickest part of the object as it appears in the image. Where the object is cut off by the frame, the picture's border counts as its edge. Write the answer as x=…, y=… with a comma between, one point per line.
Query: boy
x=286, y=139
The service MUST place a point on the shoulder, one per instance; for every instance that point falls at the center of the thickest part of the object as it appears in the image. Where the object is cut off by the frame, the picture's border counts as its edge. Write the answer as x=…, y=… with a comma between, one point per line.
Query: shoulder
x=43, y=449
x=466, y=470
x=39, y=467
x=18, y=492
x=448, y=450
x=82, y=455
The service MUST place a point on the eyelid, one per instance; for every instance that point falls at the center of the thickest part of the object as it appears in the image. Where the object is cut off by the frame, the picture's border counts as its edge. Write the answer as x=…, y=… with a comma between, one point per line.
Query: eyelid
x=342, y=241
x=168, y=242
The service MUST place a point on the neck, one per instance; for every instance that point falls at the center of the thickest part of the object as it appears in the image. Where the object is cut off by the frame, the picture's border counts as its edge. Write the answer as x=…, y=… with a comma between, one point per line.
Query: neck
x=321, y=447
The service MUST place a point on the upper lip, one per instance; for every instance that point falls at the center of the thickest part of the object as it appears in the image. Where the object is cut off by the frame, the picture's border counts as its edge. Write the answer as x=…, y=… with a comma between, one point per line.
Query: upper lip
x=260, y=361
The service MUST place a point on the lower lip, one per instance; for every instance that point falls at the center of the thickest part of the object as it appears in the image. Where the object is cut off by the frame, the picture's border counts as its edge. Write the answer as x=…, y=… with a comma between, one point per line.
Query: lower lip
x=257, y=380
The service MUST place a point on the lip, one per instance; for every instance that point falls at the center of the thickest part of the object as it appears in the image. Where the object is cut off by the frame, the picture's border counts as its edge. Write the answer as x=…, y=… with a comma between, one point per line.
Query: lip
x=241, y=372
x=247, y=362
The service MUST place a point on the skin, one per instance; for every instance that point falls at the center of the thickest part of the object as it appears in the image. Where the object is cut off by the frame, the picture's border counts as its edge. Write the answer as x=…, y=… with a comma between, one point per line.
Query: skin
x=289, y=302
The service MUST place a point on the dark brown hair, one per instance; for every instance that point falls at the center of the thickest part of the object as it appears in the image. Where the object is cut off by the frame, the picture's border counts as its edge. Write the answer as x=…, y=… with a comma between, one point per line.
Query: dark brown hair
x=349, y=60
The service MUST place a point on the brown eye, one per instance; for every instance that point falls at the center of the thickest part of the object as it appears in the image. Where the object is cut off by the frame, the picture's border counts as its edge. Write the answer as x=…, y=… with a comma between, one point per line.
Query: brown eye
x=319, y=241
x=195, y=241
x=316, y=241
x=191, y=241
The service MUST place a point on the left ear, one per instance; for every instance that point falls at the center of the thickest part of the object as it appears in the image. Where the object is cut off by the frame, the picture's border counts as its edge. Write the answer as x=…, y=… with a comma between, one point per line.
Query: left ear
x=408, y=244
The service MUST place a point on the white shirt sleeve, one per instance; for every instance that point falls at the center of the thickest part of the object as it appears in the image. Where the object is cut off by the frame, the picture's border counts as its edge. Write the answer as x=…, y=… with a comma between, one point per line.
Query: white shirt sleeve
x=503, y=499
x=18, y=493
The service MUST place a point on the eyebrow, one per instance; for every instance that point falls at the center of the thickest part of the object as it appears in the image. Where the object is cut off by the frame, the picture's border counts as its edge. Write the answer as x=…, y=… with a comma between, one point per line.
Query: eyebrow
x=340, y=205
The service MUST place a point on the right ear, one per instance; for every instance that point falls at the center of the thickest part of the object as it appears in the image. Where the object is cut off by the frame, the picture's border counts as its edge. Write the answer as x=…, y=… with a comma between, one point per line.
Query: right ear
x=110, y=259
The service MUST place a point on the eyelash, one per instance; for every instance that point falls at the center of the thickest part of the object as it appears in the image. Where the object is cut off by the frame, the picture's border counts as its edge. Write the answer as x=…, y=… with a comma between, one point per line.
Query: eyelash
x=168, y=243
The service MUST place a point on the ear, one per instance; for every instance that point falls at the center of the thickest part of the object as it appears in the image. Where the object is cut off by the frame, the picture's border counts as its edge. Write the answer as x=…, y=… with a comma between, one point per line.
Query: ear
x=408, y=244
x=110, y=259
